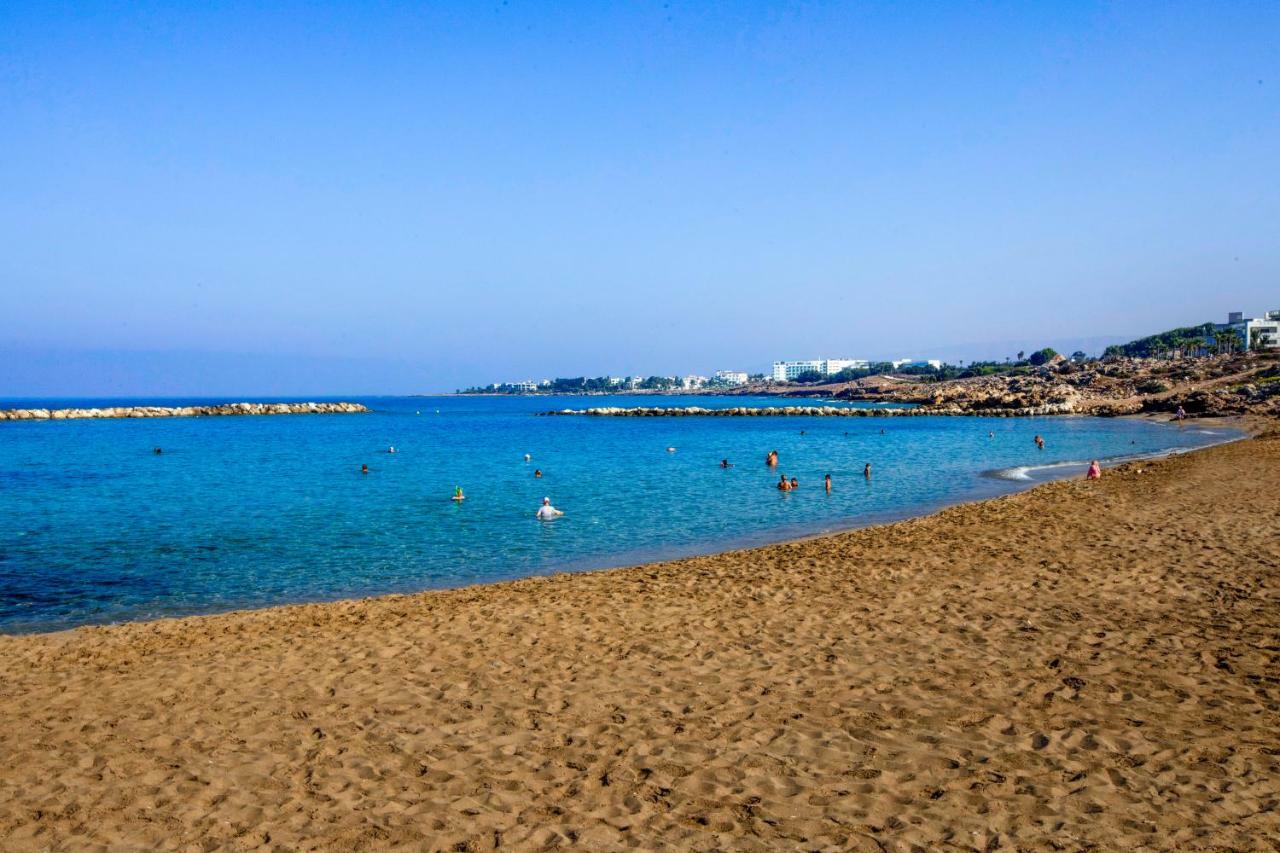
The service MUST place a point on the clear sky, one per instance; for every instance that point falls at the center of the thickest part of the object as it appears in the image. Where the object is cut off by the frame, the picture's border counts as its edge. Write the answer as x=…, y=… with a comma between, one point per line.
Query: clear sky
x=383, y=197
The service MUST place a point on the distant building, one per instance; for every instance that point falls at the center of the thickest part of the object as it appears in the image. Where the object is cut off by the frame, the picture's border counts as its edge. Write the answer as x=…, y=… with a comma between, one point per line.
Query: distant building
x=730, y=377
x=689, y=382
x=1255, y=333
x=525, y=386
x=912, y=362
x=786, y=371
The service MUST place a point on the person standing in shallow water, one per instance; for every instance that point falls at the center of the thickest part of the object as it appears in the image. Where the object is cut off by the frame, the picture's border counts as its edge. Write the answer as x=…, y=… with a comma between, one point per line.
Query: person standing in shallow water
x=866, y=470
x=826, y=482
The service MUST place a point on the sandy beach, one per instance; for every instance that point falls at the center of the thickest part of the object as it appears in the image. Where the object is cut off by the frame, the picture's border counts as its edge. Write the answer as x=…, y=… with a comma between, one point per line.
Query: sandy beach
x=1084, y=664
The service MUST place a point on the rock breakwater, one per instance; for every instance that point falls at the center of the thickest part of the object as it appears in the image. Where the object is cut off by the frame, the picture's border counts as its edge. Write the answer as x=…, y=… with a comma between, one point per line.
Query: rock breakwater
x=182, y=411
x=1064, y=408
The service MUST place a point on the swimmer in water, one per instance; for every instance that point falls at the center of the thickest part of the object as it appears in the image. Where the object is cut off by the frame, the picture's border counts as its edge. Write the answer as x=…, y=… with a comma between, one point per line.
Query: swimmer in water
x=1095, y=471
x=537, y=473
x=391, y=449
x=547, y=512
x=725, y=463
x=772, y=459
x=783, y=485
x=1039, y=442
x=826, y=481
x=157, y=451
x=795, y=484
x=991, y=435
x=364, y=469
x=458, y=495
x=866, y=470
x=671, y=450
x=527, y=457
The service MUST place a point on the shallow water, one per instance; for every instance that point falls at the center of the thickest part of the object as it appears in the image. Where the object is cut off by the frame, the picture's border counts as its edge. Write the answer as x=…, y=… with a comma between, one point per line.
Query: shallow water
x=250, y=511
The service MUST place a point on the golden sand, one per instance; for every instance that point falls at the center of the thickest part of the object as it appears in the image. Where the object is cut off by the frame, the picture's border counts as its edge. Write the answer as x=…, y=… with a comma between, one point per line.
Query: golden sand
x=1081, y=664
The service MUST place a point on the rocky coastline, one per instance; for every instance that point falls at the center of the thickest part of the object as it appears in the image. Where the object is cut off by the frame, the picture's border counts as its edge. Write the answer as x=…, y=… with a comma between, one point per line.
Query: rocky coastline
x=223, y=409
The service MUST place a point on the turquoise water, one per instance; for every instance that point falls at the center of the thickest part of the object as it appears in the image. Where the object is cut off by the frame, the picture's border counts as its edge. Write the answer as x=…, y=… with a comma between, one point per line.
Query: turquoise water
x=250, y=511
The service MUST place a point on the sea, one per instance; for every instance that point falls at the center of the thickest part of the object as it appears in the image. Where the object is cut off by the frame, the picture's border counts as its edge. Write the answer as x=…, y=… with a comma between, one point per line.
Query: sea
x=240, y=512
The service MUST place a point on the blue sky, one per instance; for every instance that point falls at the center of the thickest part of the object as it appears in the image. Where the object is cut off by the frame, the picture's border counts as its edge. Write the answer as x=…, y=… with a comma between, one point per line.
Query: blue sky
x=409, y=197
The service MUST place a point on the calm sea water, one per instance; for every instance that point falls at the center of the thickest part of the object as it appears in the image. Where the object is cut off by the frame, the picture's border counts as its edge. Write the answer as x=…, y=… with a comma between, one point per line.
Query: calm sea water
x=249, y=511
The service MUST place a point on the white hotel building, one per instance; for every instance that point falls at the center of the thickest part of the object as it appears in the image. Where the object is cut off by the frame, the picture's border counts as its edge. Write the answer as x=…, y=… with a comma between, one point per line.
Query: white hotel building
x=1255, y=333
x=786, y=371
x=730, y=377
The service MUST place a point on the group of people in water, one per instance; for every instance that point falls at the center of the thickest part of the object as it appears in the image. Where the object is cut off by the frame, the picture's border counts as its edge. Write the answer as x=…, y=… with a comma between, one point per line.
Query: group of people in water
x=790, y=485
x=547, y=512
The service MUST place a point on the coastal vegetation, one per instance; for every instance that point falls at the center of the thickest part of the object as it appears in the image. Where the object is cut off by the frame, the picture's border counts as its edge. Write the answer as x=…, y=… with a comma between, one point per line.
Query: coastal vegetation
x=1182, y=342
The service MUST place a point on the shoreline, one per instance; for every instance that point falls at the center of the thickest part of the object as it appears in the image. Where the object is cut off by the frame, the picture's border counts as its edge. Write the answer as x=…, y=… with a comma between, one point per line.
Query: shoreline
x=1078, y=663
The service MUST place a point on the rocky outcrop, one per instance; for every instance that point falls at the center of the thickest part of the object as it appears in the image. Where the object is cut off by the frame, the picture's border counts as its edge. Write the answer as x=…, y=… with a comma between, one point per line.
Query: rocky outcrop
x=1209, y=386
x=182, y=411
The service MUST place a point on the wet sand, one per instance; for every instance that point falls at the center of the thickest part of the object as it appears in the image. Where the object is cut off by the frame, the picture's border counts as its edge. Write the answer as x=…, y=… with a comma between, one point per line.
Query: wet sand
x=1081, y=664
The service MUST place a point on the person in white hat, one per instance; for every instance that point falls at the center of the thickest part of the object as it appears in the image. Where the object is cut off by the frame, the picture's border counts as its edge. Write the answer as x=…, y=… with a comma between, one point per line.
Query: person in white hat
x=547, y=512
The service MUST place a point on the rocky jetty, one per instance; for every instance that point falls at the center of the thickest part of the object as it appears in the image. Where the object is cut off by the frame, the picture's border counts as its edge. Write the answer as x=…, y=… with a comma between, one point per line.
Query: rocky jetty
x=1061, y=408
x=182, y=411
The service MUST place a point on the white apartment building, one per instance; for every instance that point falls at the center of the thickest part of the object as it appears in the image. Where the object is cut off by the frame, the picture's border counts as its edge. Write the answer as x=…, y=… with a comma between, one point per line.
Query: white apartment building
x=730, y=377
x=693, y=381
x=900, y=363
x=1257, y=333
x=786, y=371
x=525, y=386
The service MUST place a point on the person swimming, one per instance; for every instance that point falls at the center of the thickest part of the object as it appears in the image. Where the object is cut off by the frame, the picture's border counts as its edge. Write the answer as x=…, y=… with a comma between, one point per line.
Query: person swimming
x=527, y=457
x=391, y=449
x=671, y=450
x=364, y=469
x=725, y=463
x=537, y=473
x=826, y=481
x=458, y=495
x=794, y=484
x=783, y=485
x=866, y=470
x=771, y=459
x=1094, y=472
x=157, y=451
x=547, y=512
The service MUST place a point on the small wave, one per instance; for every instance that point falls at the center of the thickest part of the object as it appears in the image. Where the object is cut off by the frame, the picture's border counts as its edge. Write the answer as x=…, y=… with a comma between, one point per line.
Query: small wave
x=1026, y=472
